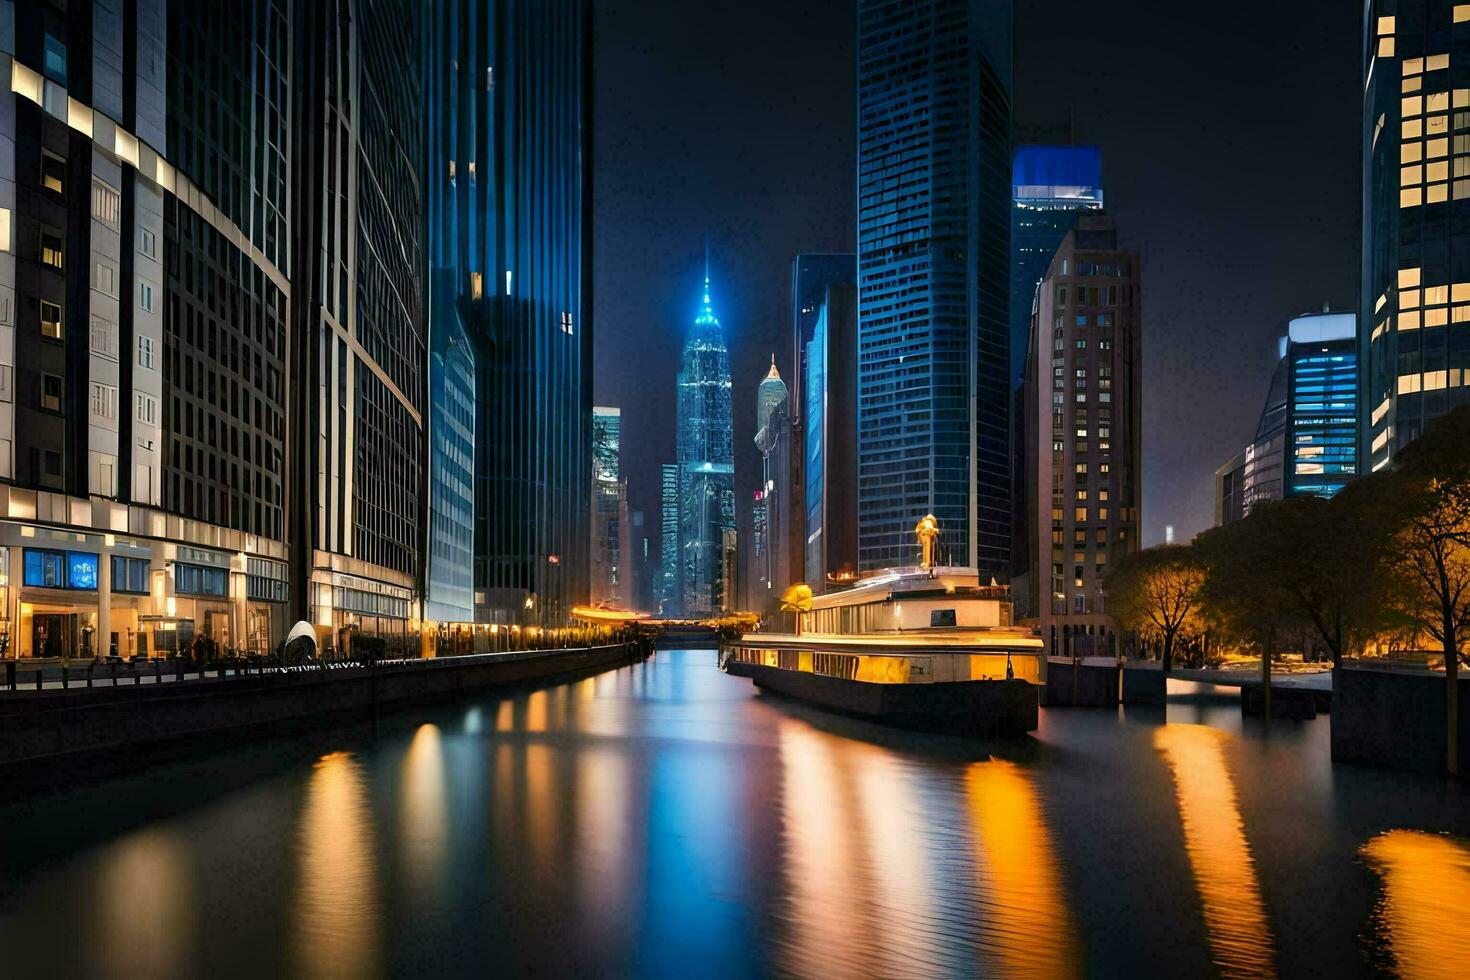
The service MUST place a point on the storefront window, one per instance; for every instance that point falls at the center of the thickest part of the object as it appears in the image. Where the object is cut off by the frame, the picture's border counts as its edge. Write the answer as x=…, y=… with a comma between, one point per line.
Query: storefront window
x=81, y=570
x=200, y=580
x=60, y=569
x=130, y=575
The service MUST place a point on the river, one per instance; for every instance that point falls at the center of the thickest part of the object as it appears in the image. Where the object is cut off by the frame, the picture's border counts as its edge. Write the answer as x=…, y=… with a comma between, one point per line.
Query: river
x=666, y=819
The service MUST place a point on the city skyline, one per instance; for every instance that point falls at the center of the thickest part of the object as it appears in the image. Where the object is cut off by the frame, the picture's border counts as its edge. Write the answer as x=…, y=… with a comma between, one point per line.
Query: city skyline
x=418, y=557
x=796, y=195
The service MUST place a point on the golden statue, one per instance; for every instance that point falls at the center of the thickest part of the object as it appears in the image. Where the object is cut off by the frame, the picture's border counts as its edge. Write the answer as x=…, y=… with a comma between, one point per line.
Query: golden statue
x=927, y=531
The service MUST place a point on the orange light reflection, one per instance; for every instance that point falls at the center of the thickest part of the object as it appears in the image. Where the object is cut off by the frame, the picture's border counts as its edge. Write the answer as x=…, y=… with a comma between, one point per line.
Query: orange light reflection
x=1422, y=917
x=1214, y=837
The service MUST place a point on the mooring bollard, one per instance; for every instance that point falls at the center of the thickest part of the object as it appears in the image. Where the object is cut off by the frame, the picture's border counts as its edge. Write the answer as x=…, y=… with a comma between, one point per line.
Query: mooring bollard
x=39, y=672
x=65, y=676
x=157, y=672
x=10, y=674
x=178, y=669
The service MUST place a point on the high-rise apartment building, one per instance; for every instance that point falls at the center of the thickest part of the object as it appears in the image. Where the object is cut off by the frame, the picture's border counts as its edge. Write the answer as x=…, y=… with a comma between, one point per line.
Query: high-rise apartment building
x=934, y=279
x=706, y=461
x=1049, y=186
x=509, y=144
x=829, y=442
x=1306, y=441
x=1083, y=439
x=1414, y=309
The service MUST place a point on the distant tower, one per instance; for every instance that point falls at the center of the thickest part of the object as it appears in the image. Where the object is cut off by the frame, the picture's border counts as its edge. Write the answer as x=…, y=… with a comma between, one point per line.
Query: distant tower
x=706, y=461
x=772, y=392
x=771, y=558
x=668, y=579
x=611, y=541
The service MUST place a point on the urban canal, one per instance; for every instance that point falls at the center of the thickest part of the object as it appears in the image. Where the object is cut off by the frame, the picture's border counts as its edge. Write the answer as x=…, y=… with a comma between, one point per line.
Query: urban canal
x=665, y=819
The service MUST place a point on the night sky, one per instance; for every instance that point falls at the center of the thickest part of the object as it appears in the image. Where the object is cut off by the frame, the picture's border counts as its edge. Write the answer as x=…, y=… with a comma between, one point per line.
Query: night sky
x=1231, y=163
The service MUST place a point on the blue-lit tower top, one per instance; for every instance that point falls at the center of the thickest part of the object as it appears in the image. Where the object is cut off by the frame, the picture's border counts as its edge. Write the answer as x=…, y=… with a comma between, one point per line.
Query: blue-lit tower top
x=1050, y=186
x=706, y=460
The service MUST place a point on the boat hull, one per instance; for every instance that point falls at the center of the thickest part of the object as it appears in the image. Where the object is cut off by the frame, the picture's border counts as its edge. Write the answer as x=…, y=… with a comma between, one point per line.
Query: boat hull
x=985, y=708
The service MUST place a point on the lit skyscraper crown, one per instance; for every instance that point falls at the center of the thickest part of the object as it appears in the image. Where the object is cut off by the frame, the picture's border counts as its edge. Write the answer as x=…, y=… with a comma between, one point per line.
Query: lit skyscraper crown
x=706, y=317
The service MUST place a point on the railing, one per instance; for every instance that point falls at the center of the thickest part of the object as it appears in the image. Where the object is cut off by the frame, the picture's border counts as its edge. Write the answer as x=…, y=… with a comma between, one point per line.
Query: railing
x=18, y=676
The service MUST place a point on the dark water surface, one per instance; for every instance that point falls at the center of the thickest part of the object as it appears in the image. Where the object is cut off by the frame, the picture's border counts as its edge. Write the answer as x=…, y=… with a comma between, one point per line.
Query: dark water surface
x=664, y=819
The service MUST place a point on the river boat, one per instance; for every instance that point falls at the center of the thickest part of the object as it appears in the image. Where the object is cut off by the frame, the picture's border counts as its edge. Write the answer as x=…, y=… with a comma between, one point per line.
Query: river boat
x=924, y=647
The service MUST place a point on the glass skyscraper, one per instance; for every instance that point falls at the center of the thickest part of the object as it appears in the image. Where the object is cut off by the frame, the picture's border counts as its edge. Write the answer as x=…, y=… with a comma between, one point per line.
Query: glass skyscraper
x=1307, y=438
x=934, y=279
x=509, y=134
x=1049, y=186
x=1414, y=310
x=828, y=441
x=706, y=461
x=813, y=275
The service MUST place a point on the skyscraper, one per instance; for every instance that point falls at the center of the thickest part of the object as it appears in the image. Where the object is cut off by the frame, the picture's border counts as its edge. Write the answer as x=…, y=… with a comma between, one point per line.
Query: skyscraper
x=706, y=461
x=1049, y=186
x=1306, y=440
x=1083, y=439
x=934, y=201
x=611, y=540
x=812, y=275
x=668, y=577
x=358, y=346
x=829, y=441
x=510, y=137
x=773, y=566
x=145, y=254
x=1414, y=310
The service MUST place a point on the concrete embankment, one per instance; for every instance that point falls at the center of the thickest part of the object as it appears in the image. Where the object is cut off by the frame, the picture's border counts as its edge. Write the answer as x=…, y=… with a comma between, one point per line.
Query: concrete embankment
x=36, y=726
x=1396, y=720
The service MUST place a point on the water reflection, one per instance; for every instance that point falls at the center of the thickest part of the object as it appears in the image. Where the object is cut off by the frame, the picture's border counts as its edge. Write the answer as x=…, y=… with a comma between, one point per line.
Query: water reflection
x=148, y=923
x=1214, y=837
x=697, y=828
x=1421, y=920
x=336, y=910
x=1023, y=905
x=829, y=905
x=423, y=818
x=894, y=867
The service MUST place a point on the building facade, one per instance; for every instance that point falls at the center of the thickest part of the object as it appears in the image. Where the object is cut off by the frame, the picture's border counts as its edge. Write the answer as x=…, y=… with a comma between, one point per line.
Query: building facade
x=829, y=553
x=358, y=347
x=510, y=140
x=706, y=469
x=1307, y=438
x=222, y=406
x=144, y=300
x=1083, y=433
x=1049, y=186
x=1414, y=309
x=934, y=280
